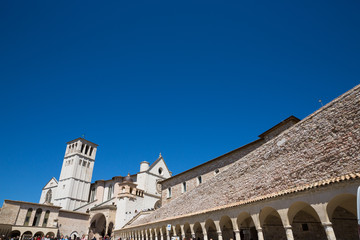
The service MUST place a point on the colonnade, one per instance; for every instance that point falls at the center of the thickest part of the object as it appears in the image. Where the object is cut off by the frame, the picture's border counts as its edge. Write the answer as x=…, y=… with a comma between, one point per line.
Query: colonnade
x=276, y=219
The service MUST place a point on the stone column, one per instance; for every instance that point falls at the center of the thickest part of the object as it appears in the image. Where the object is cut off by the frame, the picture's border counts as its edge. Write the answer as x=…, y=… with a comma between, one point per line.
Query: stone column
x=174, y=230
x=289, y=233
x=41, y=220
x=32, y=218
x=205, y=236
x=219, y=235
x=237, y=235
x=182, y=232
x=329, y=231
x=161, y=234
x=260, y=233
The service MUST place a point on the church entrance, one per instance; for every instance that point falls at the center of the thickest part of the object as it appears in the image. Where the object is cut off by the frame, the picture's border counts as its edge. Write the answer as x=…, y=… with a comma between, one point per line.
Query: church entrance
x=98, y=226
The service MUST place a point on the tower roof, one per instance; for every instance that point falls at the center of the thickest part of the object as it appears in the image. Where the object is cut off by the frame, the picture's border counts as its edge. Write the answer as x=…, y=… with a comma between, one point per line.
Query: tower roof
x=82, y=139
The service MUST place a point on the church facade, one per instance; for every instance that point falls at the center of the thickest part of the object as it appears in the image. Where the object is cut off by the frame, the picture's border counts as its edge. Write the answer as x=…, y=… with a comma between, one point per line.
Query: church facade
x=74, y=205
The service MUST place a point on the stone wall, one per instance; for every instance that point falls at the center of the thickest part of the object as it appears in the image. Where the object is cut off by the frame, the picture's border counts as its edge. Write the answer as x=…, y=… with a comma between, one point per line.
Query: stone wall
x=324, y=145
x=9, y=213
x=70, y=222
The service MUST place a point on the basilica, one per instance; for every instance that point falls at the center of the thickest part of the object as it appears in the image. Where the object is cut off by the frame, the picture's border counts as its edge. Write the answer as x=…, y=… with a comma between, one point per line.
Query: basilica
x=297, y=181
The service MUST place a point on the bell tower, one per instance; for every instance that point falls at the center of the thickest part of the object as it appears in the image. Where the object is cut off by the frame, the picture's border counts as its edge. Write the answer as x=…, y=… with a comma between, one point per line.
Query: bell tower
x=76, y=173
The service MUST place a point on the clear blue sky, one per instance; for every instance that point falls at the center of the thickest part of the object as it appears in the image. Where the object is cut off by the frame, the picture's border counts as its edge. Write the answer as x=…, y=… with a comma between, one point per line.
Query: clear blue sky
x=190, y=79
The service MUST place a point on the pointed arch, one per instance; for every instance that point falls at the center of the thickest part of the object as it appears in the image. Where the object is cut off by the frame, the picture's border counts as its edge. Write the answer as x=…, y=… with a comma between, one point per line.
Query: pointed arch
x=271, y=223
x=246, y=226
x=305, y=222
x=226, y=227
x=211, y=229
x=342, y=213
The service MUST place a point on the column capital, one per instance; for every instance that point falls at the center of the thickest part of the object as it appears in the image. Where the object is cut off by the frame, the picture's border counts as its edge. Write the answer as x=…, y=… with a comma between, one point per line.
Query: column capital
x=288, y=227
x=327, y=224
x=259, y=229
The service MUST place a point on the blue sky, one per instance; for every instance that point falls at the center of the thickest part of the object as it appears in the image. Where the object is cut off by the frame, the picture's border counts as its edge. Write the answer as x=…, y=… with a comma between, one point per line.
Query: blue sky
x=190, y=79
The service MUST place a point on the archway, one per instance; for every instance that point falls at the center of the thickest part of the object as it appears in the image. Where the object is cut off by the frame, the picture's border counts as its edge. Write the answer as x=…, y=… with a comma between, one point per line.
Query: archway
x=342, y=213
x=164, y=232
x=26, y=235
x=110, y=229
x=38, y=235
x=74, y=235
x=211, y=229
x=50, y=234
x=226, y=228
x=246, y=226
x=305, y=222
x=15, y=234
x=198, y=231
x=178, y=231
x=98, y=225
x=153, y=233
x=271, y=224
x=187, y=231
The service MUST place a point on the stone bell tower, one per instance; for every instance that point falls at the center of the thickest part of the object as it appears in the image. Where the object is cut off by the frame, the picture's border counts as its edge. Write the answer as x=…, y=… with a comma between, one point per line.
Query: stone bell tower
x=76, y=173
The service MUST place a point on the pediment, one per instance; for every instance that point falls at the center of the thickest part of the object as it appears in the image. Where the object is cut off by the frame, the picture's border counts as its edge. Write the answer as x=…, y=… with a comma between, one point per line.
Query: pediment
x=51, y=184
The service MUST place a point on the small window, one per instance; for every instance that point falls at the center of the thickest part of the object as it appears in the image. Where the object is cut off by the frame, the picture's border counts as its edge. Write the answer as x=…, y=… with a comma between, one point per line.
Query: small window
x=305, y=227
x=184, y=187
x=160, y=171
x=169, y=192
x=84, y=163
x=199, y=180
x=216, y=171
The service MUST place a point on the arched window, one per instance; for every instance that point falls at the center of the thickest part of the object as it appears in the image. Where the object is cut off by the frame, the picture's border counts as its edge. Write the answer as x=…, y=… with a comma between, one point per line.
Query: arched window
x=110, y=192
x=37, y=217
x=48, y=196
x=47, y=213
x=27, y=218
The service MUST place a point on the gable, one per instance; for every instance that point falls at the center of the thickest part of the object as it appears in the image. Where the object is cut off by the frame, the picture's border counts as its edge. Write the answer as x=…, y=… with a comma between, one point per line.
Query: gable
x=160, y=168
x=51, y=184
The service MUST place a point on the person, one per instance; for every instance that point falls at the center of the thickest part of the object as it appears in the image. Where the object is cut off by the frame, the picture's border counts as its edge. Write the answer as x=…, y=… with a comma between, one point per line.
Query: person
x=47, y=237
